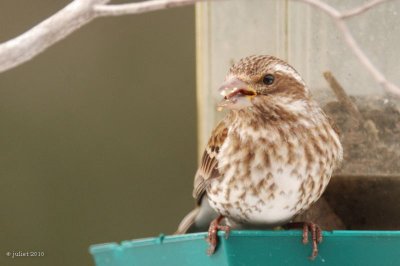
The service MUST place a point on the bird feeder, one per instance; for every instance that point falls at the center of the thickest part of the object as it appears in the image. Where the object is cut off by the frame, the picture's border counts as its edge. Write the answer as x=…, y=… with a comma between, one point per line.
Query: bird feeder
x=349, y=56
x=350, y=72
x=253, y=248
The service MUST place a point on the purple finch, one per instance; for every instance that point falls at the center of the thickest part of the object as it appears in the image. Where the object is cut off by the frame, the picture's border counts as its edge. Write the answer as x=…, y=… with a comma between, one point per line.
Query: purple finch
x=270, y=158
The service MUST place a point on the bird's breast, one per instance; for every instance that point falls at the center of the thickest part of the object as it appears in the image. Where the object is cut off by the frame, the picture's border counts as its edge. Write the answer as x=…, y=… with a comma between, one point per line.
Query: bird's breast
x=270, y=174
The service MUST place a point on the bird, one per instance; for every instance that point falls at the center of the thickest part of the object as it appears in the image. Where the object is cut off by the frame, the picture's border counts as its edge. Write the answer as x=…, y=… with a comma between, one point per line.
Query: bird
x=269, y=159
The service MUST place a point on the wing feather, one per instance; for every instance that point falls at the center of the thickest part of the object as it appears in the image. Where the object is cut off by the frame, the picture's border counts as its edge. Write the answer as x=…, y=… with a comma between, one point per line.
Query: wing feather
x=208, y=168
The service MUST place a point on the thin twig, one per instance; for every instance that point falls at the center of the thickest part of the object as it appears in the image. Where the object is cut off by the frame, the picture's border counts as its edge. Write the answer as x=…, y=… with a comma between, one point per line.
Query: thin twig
x=361, y=9
x=338, y=18
x=343, y=97
x=141, y=7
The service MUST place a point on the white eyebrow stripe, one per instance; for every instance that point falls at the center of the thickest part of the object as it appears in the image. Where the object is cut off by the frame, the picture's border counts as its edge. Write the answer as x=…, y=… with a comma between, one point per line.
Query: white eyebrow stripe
x=290, y=71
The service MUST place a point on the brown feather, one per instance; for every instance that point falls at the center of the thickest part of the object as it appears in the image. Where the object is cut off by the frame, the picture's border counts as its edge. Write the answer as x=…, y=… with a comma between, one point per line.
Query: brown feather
x=208, y=168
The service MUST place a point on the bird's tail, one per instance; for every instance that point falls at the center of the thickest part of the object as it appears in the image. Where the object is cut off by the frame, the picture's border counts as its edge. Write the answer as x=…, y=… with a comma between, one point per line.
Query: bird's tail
x=188, y=221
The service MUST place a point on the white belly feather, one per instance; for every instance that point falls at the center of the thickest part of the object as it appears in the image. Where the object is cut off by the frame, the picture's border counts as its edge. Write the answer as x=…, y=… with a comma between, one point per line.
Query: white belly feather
x=264, y=182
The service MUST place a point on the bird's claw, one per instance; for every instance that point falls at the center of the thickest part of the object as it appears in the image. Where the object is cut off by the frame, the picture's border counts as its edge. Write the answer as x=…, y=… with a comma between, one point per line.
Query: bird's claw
x=316, y=237
x=212, y=237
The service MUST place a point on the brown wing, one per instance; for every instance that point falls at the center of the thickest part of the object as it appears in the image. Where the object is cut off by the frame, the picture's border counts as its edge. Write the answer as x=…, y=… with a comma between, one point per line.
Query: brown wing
x=208, y=168
x=332, y=123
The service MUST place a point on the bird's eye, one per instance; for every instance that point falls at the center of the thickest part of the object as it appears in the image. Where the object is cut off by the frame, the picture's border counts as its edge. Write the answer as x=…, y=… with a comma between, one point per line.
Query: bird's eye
x=268, y=79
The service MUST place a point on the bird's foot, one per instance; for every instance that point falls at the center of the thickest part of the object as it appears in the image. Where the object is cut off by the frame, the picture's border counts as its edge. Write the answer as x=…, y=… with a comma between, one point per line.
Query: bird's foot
x=212, y=237
x=316, y=234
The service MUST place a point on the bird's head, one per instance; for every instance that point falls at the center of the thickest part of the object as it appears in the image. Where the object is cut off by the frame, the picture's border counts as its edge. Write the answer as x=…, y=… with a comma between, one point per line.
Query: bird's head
x=255, y=79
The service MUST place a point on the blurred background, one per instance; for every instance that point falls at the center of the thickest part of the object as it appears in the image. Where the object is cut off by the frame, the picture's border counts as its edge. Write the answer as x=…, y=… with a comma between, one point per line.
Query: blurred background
x=98, y=133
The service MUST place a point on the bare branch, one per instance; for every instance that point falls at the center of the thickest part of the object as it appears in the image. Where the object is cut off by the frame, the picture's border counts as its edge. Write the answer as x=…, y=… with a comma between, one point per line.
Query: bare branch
x=338, y=18
x=31, y=43
x=80, y=12
x=141, y=7
x=75, y=15
x=363, y=8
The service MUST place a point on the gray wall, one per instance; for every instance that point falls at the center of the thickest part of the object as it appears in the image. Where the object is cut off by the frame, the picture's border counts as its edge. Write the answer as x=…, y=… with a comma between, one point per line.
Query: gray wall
x=98, y=134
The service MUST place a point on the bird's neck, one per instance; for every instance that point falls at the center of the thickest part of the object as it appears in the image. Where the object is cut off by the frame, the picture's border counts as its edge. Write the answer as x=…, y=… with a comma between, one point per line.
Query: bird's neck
x=272, y=112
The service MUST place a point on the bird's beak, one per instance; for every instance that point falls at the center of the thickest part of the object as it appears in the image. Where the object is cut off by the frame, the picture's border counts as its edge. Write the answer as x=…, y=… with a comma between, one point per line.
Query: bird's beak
x=237, y=94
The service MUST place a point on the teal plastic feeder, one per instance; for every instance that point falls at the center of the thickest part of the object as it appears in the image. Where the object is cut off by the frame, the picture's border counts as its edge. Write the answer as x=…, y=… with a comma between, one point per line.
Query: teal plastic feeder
x=254, y=248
